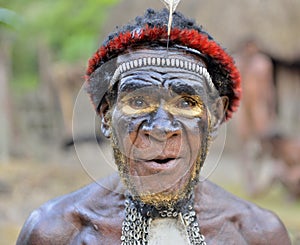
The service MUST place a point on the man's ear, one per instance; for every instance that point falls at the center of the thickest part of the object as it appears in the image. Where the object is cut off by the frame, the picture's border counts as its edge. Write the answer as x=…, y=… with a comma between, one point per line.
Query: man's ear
x=105, y=118
x=218, y=113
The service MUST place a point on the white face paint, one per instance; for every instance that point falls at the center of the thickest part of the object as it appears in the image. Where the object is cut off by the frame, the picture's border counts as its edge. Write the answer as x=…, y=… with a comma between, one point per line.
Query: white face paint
x=167, y=231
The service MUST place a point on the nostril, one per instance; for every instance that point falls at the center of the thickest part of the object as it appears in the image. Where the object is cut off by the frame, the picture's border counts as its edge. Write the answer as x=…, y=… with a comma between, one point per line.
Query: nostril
x=161, y=130
x=161, y=135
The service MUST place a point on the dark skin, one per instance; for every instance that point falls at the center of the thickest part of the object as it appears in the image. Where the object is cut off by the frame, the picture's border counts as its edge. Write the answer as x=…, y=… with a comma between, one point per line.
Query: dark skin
x=94, y=215
x=164, y=129
x=156, y=119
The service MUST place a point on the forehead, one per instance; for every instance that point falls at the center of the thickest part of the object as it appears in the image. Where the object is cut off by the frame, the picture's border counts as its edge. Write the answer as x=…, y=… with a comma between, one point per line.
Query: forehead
x=175, y=78
x=178, y=81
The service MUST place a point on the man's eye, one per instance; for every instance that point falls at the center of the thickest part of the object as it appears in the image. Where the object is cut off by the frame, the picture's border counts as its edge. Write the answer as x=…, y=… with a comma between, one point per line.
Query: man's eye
x=187, y=106
x=137, y=103
x=186, y=103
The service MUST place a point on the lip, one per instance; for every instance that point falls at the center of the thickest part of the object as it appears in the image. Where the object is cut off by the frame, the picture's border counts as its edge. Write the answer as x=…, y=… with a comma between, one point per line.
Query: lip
x=160, y=164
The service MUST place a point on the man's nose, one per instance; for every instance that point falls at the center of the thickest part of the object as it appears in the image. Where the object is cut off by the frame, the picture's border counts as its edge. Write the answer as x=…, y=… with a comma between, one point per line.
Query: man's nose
x=161, y=126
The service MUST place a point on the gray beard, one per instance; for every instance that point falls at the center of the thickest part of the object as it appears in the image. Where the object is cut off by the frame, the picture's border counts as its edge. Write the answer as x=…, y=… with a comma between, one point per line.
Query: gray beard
x=122, y=163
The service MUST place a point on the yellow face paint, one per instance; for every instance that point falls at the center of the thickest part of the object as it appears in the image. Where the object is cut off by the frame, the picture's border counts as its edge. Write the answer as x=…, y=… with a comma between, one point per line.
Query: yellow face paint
x=138, y=105
x=186, y=106
x=180, y=105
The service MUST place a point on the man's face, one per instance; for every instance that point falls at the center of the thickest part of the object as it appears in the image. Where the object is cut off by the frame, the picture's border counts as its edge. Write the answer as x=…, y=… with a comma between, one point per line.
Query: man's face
x=160, y=126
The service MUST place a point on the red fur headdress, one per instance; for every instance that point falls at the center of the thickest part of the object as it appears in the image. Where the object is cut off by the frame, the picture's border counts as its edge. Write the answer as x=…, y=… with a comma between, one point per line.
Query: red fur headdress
x=220, y=65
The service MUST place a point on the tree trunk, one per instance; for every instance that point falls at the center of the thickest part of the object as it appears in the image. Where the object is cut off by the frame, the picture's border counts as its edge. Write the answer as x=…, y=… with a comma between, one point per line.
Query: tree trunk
x=5, y=101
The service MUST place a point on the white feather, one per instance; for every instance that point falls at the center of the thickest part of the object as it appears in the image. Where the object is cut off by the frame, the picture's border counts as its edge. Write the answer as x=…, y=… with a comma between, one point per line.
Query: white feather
x=171, y=5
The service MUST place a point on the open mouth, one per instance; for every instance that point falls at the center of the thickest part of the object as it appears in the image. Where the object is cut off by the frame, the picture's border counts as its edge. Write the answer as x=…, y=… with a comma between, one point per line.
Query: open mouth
x=162, y=161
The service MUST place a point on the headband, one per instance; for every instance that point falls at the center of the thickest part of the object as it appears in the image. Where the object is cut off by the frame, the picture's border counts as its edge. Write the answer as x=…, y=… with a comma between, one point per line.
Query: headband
x=162, y=62
x=220, y=65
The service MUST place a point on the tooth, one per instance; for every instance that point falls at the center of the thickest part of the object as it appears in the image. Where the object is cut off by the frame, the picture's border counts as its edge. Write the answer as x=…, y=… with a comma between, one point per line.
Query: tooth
x=194, y=67
x=158, y=61
x=121, y=68
x=153, y=62
x=168, y=62
x=173, y=62
x=124, y=67
x=181, y=64
x=140, y=61
x=127, y=66
x=131, y=64
x=185, y=65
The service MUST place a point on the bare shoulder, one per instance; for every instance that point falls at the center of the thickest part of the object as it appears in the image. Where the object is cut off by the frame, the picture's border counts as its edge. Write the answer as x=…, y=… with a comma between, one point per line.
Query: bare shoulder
x=239, y=218
x=58, y=221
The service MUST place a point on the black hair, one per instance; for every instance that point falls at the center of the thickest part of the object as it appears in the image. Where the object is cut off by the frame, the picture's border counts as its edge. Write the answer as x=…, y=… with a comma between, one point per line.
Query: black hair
x=154, y=18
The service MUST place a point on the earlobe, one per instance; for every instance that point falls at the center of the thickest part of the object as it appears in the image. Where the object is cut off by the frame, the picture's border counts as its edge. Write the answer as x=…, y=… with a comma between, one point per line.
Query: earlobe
x=104, y=113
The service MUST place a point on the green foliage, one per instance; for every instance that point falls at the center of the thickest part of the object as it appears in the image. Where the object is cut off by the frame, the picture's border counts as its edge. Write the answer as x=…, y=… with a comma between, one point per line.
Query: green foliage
x=8, y=18
x=69, y=29
x=67, y=25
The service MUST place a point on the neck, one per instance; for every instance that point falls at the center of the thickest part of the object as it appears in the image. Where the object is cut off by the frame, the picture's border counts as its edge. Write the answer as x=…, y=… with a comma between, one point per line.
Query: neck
x=148, y=210
x=145, y=223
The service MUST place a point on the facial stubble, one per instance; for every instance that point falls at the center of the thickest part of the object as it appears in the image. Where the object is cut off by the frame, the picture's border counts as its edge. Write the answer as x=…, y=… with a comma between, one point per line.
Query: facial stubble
x=162, y=198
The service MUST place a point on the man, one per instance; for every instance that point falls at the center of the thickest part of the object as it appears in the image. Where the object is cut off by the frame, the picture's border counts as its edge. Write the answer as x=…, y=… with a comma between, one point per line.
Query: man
x=258, y=108
x=257, y=114
x=160, y=99
x=286, y=165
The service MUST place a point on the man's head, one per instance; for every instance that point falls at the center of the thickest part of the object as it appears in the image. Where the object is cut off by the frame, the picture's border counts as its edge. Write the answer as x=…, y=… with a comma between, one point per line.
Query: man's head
x=161, y=105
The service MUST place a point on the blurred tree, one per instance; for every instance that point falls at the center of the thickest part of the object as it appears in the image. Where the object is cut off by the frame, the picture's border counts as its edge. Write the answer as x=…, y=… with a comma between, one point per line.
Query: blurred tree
x=68, y=29
x=8, y=21
x=34, y=35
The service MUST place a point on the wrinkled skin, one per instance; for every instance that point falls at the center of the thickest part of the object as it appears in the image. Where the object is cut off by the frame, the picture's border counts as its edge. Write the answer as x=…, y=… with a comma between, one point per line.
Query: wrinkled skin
x=160, y=132
x=157, y=134
x=161, y=125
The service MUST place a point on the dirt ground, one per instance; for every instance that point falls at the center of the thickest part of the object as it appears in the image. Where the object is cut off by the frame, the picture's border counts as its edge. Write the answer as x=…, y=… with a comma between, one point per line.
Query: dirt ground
x=26, y=184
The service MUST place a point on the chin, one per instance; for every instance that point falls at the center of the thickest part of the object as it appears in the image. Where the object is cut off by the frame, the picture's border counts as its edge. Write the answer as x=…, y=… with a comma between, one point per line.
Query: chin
x=162, y=197
x=165, y=188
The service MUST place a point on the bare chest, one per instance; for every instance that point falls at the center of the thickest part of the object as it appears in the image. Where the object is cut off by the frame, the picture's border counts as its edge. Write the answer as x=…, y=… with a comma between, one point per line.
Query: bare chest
x=167, y=231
